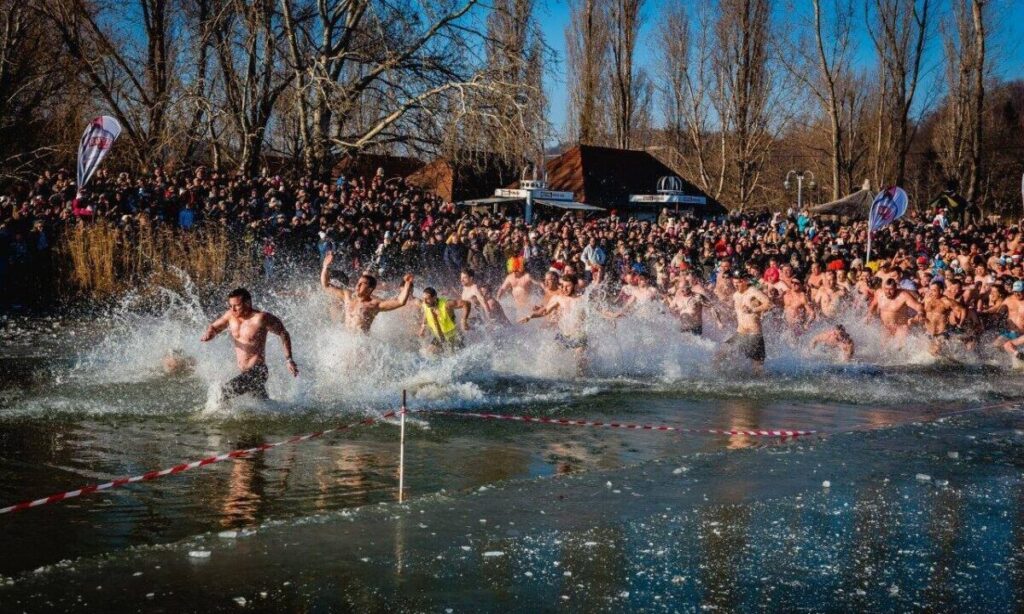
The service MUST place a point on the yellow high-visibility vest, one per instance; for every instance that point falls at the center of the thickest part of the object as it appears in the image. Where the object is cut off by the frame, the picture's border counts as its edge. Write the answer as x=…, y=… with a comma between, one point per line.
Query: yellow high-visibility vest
x=439, y=321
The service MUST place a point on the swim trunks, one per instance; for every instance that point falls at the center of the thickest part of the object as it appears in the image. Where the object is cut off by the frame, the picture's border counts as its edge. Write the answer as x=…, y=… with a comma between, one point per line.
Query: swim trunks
x=697, y=330
x=750, y=345
x=251, y=381
x=574, y=342
x=447, y=345
x=1008, y=334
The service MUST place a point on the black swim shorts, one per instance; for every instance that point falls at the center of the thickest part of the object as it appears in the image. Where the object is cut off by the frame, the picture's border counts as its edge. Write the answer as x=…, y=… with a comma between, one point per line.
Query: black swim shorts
x=251, y=381
x=750, y=345
x=574, y=342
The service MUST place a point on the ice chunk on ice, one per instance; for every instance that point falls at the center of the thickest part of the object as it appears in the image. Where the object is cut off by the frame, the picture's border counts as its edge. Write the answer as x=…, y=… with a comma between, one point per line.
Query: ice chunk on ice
x=199, y=554
x=228, y=534
x=493, y=553
x=923, y=477
x=826, y=484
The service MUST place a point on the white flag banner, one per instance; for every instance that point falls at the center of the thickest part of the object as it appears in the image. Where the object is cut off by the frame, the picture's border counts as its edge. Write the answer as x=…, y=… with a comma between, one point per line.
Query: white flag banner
x=888, y=206
x=96, y=142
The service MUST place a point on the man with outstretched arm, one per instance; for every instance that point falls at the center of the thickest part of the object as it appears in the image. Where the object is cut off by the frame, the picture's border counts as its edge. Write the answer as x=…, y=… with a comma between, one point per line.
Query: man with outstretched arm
x=248, y=328
x=361, y=306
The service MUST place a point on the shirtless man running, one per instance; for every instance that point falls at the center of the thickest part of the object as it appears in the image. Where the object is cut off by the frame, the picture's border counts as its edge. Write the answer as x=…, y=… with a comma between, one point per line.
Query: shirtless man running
x=248, y=328
x=642, y=293
x=439, y=319
x=724, y=287
x=361, y=307
x=567, y=304
x=471, y=292
x=689, y=308
x=750, y=304
x=829, y=294
x=520, y=283
x=1014, y=307
x=940, y=312
x=891, y=305
x=797, y=307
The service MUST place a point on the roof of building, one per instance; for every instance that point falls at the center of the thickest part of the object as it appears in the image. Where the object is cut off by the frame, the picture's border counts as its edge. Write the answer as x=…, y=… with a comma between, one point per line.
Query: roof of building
x=457, y=181
x=607, y=177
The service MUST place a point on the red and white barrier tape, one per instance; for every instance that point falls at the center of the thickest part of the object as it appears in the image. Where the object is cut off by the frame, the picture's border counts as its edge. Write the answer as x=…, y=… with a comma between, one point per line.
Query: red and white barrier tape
x=152, y=475
x=622, y=425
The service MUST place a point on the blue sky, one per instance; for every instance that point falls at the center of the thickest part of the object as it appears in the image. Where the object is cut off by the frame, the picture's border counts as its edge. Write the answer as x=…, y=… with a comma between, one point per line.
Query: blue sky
x=1006, y=44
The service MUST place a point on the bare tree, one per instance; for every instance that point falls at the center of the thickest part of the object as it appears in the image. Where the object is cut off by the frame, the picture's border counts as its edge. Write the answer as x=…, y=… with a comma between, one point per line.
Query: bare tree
x=743, y=91
x=515, y=54
x=38, y=96
x=899, y=30
x=389, y=74
x=133, y=80
x=684, y=61
x=586, y=39
x=819, y=57
x=961, y=126
x=247, y=39
x=626, y=80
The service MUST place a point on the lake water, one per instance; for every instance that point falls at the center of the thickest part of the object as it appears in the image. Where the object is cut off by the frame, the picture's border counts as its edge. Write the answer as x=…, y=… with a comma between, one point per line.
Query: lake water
x=922, y=512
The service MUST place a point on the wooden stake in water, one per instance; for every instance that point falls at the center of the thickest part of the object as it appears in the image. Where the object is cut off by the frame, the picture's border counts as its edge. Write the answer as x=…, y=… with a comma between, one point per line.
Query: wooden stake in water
x=401, y=453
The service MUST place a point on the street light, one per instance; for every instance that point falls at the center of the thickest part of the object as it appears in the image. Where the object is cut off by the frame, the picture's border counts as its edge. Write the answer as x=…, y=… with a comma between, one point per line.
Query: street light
x=800, y=186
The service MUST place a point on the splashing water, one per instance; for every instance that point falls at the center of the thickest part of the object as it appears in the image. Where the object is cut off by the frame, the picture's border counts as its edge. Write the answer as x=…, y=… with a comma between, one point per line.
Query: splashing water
x=342, y=371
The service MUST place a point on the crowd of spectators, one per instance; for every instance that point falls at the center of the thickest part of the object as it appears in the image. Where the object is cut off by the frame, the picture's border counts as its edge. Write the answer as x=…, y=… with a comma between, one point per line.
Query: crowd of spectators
x=388, y=227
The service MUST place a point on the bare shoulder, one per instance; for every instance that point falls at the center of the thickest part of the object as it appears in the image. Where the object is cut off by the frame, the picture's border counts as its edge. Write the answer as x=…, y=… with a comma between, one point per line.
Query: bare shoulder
x=267, y=319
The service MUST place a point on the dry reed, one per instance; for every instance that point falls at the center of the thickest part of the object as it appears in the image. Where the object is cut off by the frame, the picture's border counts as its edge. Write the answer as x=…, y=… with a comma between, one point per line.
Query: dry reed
x=101, y=260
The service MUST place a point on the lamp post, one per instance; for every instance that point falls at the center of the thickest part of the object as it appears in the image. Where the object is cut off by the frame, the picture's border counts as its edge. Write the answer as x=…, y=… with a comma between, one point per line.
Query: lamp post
x=800, y=185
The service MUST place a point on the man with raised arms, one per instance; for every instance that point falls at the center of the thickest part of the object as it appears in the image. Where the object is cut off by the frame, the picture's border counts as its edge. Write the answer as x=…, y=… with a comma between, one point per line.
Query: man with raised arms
x=568, y=307
x=891, y=304
x=361, y=307
x=248, y=328
x=750, y=304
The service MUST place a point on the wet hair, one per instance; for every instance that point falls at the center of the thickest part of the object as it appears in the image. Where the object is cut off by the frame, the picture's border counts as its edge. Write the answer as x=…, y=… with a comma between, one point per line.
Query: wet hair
x=370, y=279
x=569, y=278
x=428, y=291
x=468, y=273
x=241, y=293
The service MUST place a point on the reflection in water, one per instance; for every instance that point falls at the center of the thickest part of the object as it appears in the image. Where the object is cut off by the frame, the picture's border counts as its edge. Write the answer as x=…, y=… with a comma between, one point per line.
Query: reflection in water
x=568, y=456
x=242, y=502
x=741, y=414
